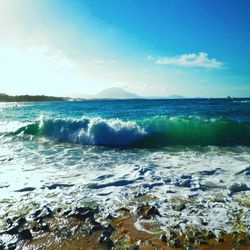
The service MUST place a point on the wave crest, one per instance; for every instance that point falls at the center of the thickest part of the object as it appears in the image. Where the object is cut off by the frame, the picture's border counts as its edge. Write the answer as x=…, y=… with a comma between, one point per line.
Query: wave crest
x=150, y=132
x=93, y=131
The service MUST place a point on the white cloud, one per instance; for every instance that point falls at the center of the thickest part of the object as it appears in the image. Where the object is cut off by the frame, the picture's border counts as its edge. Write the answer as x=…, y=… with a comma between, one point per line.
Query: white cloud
x=151, y=58
x=39, y=70
x=52, y=56
x=101, y=62
x=191, y=60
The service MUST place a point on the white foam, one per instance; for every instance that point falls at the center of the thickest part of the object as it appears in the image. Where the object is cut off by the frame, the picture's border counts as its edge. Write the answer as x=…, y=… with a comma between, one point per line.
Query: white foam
x=92, y=131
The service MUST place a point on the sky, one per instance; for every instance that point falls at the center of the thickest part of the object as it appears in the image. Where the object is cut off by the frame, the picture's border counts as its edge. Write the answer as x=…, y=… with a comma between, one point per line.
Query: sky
x=149, y=47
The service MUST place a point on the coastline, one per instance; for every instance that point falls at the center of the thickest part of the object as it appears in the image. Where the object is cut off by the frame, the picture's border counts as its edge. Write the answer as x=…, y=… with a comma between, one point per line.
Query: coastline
x=86, y=227
x=62, y=188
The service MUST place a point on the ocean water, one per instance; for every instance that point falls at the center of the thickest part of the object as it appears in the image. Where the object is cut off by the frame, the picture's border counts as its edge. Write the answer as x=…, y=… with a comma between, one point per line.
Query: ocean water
x=109, y=152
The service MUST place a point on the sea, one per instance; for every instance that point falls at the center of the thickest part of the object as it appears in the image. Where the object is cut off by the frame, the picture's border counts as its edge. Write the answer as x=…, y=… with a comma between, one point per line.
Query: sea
x=110, y=152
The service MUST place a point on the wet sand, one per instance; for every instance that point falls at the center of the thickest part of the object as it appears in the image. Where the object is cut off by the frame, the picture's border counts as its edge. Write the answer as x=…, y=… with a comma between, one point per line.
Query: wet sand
x=85, y=228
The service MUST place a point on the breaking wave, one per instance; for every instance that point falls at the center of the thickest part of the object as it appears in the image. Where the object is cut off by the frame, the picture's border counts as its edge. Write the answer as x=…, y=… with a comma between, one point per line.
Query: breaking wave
x=148, y=132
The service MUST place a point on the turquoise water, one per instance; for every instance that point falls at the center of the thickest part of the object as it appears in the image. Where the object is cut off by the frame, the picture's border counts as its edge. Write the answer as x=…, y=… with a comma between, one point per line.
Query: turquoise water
x=108, y=151
x=141, y=123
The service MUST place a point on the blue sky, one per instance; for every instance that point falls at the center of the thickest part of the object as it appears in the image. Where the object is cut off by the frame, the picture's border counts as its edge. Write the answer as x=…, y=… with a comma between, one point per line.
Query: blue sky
x=150, y=47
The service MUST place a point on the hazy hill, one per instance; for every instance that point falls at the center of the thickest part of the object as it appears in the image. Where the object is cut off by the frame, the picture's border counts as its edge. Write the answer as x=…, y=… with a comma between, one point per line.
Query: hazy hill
x=116, y=93
x=176, y=97
x=110, y=93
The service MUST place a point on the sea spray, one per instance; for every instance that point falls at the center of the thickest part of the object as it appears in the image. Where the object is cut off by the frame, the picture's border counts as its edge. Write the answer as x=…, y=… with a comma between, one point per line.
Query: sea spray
x=149, y=132
x=191, y=186
x=92, y=131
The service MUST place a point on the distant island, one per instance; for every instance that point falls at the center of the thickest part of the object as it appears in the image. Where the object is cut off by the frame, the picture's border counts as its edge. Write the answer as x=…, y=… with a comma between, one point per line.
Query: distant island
x=176, y=97
x=117, y=93
x=120, y=93
x=30, y=98
x=110, y=93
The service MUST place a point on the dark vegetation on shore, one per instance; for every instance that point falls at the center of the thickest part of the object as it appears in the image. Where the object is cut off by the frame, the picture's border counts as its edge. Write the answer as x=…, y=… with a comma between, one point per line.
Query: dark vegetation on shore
x=30, y=98
x=44, y=98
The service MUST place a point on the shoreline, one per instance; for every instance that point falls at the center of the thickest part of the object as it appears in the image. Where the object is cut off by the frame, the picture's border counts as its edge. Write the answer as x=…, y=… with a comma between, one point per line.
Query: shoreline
x=186, y=186
x=86, y=227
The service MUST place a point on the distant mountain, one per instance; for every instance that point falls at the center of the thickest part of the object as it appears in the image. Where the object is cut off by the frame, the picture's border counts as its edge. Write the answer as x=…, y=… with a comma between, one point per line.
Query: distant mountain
x=30, y=98
x=110, y=93
x=120, y=93
x=116, y=93
x=176, y=97
x=166, y=97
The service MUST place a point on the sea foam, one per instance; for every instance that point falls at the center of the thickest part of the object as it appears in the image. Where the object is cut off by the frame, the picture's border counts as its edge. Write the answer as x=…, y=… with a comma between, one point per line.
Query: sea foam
x=149, y=132
x=93, y=131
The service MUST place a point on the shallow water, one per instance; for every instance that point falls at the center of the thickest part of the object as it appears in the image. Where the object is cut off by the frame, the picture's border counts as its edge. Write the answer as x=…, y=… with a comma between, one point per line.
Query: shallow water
x=192, y=152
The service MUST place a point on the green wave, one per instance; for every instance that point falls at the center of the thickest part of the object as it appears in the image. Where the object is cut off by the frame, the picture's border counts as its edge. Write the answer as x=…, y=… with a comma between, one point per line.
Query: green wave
x=195, y=131
x=149, y=132
x=31, y=129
